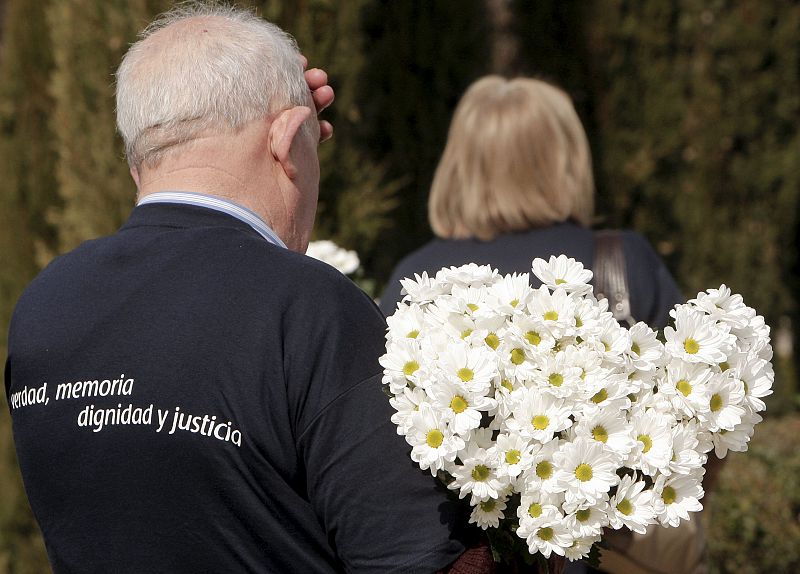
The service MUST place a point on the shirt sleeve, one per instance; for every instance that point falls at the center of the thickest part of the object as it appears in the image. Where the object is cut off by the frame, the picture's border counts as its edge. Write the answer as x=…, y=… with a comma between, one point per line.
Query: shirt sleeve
x=378, y=510
x=381, y=513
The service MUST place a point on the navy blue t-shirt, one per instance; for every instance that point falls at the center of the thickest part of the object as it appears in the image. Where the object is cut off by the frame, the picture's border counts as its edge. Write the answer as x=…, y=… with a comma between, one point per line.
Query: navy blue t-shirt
x=653, y=291
x=187, y=397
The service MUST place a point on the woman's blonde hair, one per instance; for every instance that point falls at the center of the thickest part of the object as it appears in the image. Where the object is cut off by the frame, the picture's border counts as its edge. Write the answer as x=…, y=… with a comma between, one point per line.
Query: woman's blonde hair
x=516, y=157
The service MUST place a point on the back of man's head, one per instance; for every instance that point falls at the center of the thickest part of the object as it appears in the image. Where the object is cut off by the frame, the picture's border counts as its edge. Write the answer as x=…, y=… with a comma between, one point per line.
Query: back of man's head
x=199, y=69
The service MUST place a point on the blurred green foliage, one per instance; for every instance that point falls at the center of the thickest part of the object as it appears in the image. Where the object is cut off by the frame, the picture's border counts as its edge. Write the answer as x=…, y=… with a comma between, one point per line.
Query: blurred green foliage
x=692, y=108
x=754, y=512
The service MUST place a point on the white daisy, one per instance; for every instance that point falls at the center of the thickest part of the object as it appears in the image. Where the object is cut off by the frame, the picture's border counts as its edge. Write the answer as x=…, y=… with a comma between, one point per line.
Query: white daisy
x=514, y=455
x=433, y=443
x=555, y=311
x=406, y=404
x=685, y=385
x=652, y=431
x=580, y=548
x=697, y=338
x=541, y=476
x=511, y=294
x=406, y=322
x=536, y=508
x=402, y=364
x=476, y=368
x=470, y=275
x=646, y=350
x=608, y=427
x=539, y=416
x=725, y=403
x=586, y=470
x=549, y=537
x=587, y=520
x=487, y=513
x=631, y=506
x=461, y=407
x=722, y=305
x=681, y=495
x=563, y=272
x=686, y=456
x=557, y=377
x=736, y=439
x=477, y=475
x=757, y=377
x=421, y=289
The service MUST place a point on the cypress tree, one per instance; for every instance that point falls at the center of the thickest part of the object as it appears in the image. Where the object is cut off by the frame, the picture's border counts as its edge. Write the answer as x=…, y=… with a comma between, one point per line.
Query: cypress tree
x=27, y=192
x=93, y=180
x=420, y=57
x=356, y=195
x=699, y=133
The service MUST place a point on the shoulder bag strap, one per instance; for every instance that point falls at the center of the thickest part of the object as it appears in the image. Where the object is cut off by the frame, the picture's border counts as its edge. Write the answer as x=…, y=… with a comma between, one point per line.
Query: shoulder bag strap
x=611, y=276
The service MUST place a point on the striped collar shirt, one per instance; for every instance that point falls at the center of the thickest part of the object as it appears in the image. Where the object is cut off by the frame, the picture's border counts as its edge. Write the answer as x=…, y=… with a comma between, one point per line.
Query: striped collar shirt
x=217, y=203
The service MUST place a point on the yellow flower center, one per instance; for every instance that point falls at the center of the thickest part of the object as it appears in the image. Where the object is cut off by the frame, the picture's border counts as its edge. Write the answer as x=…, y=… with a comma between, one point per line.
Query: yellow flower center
x=506, y=384
x=724, y=366
x=551, y=316
x=691, y=346
x=545, y=533
x=556, y=379
x=480, y=473
x=544, y=470
x=583, y=472
x=517, y=356
x=488, y=505
x=513, y=456
x=472, y=307
x=410, y=368
x=625, y=507
x=578, y=322
x=606, y=346
x=492, y=340
x=514, y=302
x=540, y=422
x=459, y=404
x=533, y=337
x=535, y=510
x=600, y=434
x=560, y=281
x=600, y=396
x=716, y=403
x=435, y=438
x=635, y=348
x=466, y=333
x=668, y=495
x=465, y=374
x=583, y=515
x=646, y=441
x=412, y=334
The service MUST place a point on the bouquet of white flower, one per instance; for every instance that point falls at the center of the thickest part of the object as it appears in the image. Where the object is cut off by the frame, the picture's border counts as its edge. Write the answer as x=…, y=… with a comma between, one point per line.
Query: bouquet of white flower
x=555, y=421
x=327, y=251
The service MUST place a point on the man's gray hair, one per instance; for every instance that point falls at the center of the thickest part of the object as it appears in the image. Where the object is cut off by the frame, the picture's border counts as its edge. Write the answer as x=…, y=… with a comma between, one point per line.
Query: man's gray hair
x=215, y=73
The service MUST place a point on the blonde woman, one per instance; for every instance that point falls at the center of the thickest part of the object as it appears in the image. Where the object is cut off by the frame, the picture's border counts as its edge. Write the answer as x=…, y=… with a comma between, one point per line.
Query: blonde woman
x=515, y=183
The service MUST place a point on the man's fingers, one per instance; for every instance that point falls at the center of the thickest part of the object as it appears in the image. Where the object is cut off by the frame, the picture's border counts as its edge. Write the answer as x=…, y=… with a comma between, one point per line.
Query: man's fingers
x=316, y=78
x=325, y=130
x=323, y=97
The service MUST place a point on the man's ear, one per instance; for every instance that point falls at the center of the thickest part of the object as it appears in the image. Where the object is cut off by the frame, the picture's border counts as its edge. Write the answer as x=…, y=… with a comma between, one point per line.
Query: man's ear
x=135, y=175
x=282, y=134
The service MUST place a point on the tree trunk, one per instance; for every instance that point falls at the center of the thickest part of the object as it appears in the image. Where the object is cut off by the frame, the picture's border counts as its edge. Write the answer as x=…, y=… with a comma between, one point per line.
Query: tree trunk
x=504, y=43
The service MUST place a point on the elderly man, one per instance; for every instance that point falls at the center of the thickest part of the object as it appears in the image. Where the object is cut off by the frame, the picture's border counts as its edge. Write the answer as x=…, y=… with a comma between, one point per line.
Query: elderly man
x=193, y=394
